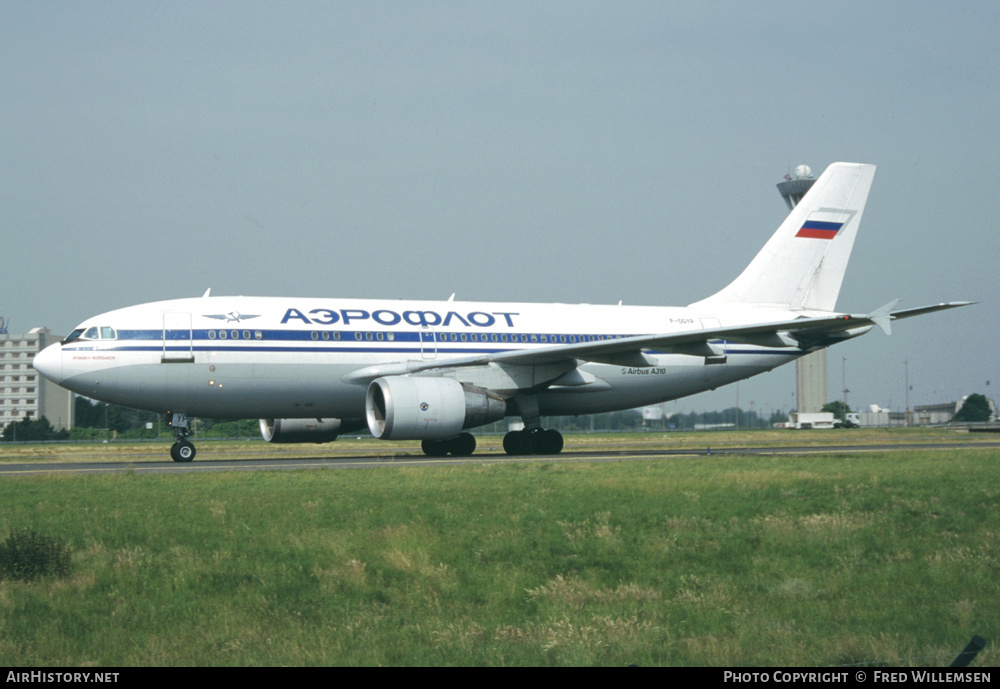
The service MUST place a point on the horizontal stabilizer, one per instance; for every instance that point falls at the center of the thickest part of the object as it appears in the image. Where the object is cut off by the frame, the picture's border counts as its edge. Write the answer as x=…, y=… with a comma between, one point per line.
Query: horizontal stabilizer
x=921, y=310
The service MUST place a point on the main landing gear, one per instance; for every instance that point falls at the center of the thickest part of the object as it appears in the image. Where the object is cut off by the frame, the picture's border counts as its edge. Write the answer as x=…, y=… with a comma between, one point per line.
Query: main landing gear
x=462, y=445
x=534, y=441
x=182, y=450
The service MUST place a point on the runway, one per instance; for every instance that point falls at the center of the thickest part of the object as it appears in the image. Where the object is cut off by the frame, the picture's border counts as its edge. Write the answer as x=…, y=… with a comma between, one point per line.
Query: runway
x=149, y=463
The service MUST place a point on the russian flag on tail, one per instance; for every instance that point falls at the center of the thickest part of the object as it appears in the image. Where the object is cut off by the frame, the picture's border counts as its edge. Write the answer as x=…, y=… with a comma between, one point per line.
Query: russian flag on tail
x=819, y=229
x=825, y=223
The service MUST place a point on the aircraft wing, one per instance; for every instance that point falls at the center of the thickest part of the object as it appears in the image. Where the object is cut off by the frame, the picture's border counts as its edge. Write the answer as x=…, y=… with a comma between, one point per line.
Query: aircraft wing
x=628, y=351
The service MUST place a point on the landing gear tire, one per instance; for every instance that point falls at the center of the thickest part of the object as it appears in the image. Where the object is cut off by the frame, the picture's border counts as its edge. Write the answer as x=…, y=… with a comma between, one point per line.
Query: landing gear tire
x=462, y=445
x=534, y=442
x=549, y=442
x=182, y=451
x=434, y=448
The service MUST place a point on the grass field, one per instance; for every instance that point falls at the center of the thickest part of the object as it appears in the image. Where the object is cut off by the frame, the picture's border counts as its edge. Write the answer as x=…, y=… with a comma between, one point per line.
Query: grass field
x=885, y=558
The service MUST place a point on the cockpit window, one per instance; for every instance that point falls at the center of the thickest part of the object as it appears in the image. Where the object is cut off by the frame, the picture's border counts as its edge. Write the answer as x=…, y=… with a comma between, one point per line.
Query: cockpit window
x=95, y=333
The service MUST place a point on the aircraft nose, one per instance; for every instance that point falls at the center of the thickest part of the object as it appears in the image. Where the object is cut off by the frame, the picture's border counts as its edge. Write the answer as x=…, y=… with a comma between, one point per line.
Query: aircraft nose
x=48, y=362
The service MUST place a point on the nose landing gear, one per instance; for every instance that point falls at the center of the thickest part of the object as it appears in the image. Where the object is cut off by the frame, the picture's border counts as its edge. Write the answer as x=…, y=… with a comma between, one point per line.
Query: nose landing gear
x=182, y=450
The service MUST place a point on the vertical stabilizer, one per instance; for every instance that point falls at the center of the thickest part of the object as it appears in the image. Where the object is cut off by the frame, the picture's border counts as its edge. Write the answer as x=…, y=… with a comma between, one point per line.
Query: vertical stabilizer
x=802, y=266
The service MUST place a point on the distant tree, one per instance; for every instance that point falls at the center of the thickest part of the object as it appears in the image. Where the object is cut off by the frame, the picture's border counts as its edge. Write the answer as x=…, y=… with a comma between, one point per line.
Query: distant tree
x=975, y=408
x=91, y=414
x=32, y=429
x=777, y=417
x=839, y=409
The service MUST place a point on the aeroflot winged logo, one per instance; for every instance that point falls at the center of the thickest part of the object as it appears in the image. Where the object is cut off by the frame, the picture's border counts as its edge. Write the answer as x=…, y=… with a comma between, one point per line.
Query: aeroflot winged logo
x=231, y=317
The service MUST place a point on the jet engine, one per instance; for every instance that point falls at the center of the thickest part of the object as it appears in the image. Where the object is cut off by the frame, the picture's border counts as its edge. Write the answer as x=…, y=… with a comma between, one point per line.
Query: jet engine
x=418, y=408
x=300, y=430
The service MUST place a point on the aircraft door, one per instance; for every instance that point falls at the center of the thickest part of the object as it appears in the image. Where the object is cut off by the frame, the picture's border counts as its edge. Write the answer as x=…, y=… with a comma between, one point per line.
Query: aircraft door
x=178, y=338
x=428, y=342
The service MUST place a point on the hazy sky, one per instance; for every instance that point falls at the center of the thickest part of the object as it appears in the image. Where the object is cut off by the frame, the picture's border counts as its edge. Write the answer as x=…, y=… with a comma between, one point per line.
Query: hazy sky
x=535, y=151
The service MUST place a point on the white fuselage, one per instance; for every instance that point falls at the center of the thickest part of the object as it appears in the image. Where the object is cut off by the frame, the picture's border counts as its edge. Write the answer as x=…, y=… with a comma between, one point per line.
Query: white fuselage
x=264, y=357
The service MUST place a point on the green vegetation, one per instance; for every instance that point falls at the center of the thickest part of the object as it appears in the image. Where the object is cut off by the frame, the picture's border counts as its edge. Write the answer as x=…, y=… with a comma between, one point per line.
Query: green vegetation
x=27, y=554
x=886, y=558
x=839, y=409
x=28, y=430
x=976, y=408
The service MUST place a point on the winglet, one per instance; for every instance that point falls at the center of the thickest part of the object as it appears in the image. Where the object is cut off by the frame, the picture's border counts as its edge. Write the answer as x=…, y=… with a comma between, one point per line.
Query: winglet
x=882, y=316
x=207, y=292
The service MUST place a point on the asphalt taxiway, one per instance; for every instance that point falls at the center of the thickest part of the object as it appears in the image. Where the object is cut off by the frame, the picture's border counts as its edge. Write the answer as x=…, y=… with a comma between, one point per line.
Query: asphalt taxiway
x=146, y=463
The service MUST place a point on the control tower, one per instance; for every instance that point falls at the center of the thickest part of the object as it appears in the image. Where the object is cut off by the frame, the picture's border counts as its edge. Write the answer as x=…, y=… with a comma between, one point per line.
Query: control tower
x=796, y=185
x=810, y=370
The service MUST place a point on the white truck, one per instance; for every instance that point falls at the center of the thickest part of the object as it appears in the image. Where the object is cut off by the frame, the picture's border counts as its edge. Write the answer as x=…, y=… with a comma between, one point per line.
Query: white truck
x=822, y=419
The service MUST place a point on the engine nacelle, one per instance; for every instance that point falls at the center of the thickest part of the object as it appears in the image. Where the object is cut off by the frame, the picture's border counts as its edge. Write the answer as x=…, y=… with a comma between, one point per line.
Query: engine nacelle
x=418, y=408
x=300, y=430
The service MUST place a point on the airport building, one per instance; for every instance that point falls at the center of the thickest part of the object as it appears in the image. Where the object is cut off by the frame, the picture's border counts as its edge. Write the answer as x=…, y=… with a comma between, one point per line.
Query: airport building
x=931, y=414
x=24, y=393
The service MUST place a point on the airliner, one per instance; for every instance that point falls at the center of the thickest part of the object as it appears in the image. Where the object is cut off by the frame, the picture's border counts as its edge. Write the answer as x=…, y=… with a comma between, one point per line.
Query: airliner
x=312, y=369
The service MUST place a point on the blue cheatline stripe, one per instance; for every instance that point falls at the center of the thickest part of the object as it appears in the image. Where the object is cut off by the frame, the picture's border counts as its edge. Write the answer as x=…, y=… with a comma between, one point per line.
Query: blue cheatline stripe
x=366, y=347
x=348, y=336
